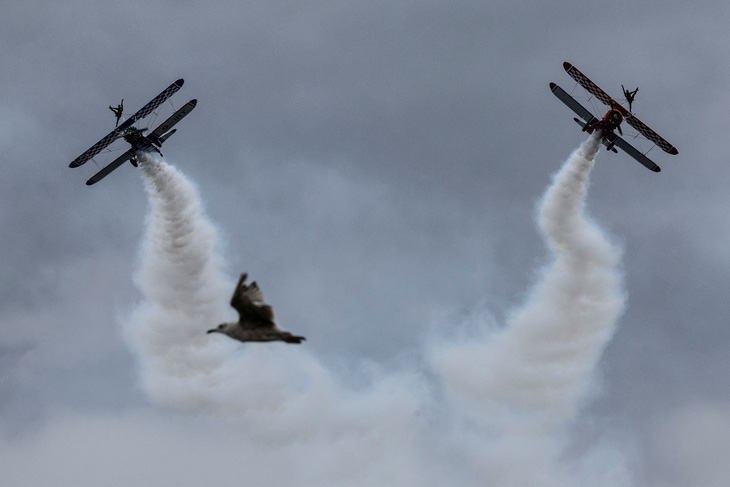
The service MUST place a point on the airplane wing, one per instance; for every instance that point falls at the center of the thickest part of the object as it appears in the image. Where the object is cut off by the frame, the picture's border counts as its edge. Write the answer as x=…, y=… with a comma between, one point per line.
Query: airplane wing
x=174, y=119
x=117, y=132
x=572, y=104
x=591, y=87
x=636, y=154
x=96, y=148
x=109, y=168
x=154, y=103
x=651, y=135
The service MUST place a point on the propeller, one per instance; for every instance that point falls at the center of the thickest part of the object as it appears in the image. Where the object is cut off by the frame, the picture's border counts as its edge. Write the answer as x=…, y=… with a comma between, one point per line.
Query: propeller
x=613, y=107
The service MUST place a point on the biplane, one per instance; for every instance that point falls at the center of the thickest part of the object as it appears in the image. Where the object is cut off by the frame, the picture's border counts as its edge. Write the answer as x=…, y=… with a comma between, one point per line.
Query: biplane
x=135, y=136
x=612, y=120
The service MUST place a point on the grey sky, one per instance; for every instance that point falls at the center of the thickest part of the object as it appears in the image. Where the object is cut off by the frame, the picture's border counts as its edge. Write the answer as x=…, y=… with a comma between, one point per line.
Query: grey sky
x=375, y=167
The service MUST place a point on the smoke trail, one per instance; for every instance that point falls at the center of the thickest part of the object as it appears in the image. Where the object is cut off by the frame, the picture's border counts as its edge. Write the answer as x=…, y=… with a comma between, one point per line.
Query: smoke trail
x=523, y=384
x=540, y=365
x=183, y=286
x=277, y=391
x=520, y=386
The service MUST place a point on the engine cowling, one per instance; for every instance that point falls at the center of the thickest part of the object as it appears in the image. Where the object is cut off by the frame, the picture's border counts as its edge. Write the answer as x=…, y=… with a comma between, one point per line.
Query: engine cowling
x=614, y=117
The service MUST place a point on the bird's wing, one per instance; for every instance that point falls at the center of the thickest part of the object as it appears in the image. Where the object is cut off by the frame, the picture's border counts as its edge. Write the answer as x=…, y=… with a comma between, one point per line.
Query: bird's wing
x=248, y=300
x=237, y=291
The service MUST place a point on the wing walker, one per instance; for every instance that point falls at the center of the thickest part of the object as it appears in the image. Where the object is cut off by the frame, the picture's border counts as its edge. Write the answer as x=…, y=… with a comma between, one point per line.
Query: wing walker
x=612, y=120
x=135, y=136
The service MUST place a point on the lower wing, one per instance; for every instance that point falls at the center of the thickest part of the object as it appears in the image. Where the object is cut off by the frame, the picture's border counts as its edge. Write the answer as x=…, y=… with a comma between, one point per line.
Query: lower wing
x=110, y=167
x=571, y=103
x=636, y=154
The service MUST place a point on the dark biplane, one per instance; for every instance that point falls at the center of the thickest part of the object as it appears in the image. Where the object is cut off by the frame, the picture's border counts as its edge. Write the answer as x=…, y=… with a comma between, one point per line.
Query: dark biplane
x=611, y=121
x=135, y=136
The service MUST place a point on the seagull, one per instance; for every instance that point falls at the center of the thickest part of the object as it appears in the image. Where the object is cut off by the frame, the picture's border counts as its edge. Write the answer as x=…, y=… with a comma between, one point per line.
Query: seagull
x=256, y=318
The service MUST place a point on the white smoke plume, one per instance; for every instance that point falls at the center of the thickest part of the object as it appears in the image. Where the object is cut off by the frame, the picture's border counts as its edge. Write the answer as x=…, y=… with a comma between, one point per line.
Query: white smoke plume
x=507, y=396
x=279, y=395
x=524, y=383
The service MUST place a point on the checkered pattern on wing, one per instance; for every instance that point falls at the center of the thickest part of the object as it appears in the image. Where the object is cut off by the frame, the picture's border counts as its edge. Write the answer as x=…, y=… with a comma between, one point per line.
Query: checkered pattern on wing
x=649, y=133
x=96, y=148
x=590, y=86
x=156, y=102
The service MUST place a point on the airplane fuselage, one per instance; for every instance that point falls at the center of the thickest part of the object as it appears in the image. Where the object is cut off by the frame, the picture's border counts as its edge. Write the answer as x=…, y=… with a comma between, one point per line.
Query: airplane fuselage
x=610, y=122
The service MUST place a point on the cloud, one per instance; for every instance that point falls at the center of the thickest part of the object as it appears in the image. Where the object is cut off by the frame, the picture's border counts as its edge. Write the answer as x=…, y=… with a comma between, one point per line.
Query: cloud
x=690, y=445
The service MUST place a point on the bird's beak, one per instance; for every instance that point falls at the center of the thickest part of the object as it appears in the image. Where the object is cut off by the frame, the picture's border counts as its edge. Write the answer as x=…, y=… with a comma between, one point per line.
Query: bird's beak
x=213, y=330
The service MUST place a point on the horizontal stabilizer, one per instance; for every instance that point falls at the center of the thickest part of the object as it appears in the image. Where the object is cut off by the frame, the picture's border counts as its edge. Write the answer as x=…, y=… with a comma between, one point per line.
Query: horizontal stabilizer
x=586, y=126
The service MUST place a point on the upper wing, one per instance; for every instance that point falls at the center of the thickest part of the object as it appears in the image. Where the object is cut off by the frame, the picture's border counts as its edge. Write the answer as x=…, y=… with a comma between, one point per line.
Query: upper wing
x=651, y=135
x=591, y=87
x=571, y=103
x=154, y=103
x=96, y=148
x=248, y=300
x=117, y=132
x=636, y=154
x=109, y=168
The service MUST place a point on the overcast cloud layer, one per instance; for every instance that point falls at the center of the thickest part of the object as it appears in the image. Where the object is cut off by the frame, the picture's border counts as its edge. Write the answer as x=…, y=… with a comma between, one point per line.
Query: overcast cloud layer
x=376, y=167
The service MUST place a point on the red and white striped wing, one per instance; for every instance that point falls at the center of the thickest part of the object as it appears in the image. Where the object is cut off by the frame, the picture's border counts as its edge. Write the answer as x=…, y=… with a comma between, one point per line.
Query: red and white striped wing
x=601, y=95
x=654, y=137
x=589, y=85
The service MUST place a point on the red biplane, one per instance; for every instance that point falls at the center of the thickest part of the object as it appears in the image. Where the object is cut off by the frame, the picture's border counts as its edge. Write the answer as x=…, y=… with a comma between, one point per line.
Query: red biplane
x=611, y=121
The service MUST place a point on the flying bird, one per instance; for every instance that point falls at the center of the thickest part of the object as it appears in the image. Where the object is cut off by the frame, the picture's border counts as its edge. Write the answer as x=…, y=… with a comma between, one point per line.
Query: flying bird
x=256, y=318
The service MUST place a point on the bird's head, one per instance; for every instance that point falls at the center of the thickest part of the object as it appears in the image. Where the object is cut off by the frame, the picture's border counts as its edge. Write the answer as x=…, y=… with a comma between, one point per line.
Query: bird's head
x=220, y=329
